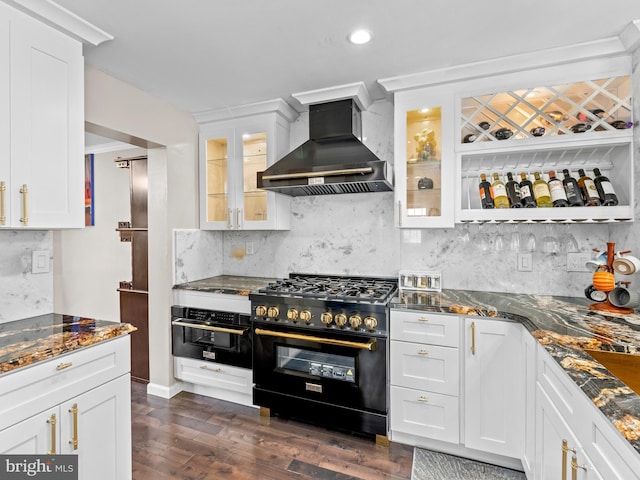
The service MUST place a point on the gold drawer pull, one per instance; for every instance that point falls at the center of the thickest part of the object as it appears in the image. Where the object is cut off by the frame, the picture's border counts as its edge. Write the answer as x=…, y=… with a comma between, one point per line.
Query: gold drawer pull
x=74, y=410
x=423, y=319
x=206, y=367
x=3, y=216
x=423, y=352
x=473, y=338
x=52, y=422
x=423, y=399
x=62, y=366
x=25, y=215
x=575, y=467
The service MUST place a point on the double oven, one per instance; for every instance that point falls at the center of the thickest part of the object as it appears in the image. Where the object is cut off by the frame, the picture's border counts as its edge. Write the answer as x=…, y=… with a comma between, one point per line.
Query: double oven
x=320, y=350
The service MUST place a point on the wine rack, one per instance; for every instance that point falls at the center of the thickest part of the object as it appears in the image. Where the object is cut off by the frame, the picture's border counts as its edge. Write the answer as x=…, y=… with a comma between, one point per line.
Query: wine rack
x=581, y=108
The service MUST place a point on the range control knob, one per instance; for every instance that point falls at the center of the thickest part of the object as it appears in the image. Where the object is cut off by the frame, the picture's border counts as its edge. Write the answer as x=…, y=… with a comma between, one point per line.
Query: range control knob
x=370, y=322
x=261, y=310
x=355, y=321
x=326, y=318
x=292, y=314
x=305, y=316
x=341, y=319
x=273, y=312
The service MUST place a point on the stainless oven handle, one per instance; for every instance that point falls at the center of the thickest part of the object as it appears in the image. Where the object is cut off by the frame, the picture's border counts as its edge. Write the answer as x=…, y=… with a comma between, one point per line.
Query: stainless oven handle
x=207, y=327
x=371, y=345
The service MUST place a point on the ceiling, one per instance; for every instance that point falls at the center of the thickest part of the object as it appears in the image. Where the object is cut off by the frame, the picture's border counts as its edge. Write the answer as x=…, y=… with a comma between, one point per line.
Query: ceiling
x=208, y=54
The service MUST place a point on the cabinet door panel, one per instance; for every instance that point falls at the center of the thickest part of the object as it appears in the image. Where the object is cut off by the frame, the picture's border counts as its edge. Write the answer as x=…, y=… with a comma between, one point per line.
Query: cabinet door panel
x=32, y=436
x=494, y=386
x=47, y=126
x=425, y=414
x=425, y=367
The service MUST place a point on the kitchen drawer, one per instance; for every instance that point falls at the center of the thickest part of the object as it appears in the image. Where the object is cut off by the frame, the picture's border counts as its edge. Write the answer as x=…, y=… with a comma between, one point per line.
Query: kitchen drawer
x=424, y=414
x=425, y=367
x=557, y=384
x=214, y=375
x=30, y=390
x=420, y=327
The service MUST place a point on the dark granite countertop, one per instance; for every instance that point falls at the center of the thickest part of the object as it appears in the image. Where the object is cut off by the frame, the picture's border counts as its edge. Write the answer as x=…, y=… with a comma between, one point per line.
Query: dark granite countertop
x=227, y=284
x=565, y=326
x=36, y=339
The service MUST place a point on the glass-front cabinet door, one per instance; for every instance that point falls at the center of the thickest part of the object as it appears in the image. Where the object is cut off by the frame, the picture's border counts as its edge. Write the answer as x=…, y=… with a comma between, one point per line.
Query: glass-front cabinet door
x=424, y=159
x=232, y=153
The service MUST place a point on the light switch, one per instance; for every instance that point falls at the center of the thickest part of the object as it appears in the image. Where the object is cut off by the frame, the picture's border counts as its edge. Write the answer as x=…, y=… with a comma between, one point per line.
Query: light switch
x=40, y=261
x=525, y=263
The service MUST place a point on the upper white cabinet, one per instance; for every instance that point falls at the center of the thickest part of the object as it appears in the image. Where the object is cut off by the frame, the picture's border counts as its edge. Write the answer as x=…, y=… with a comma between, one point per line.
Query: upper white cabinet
x=41, y=125
x=424, y=158
x=503, y=117
x=235, y=145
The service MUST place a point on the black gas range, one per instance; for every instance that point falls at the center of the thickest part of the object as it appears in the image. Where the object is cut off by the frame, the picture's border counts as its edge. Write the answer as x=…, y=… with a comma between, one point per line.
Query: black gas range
x=320, y=349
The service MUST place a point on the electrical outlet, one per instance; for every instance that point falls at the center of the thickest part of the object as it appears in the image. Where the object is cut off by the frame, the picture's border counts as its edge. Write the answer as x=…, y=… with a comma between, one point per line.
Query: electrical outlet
x=249, y=248
x=40, y=261
x=576, y=262
x=525, y=262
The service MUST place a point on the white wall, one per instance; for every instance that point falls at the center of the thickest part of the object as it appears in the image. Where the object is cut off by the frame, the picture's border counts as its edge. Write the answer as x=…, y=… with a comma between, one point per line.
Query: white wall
x=90, y=263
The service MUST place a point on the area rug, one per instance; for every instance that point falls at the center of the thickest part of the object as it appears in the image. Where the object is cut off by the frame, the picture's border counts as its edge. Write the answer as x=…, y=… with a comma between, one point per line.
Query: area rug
x=429, y=465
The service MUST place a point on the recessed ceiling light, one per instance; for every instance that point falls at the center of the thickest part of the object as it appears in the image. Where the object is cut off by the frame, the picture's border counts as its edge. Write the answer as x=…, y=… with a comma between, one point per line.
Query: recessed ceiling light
x=360, y=37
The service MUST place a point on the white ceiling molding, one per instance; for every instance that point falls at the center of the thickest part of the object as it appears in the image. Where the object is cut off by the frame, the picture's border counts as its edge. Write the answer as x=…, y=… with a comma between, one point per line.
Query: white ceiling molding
x=61, y=19
x=630, y=36
x=357, y=91
x=108, y=147
x=609, y=47
x=277, y=105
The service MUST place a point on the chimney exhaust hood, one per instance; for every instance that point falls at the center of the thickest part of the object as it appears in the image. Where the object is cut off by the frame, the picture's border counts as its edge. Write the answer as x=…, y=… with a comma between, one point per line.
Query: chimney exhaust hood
x=333, y=160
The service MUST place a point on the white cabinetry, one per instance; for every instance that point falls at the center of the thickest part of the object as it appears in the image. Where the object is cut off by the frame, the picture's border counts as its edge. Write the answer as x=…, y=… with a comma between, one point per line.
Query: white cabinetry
x=565, y=413
x=494, y=386
x=425, y=376
x=235, y=145
x=78, y=403
x=41, y=125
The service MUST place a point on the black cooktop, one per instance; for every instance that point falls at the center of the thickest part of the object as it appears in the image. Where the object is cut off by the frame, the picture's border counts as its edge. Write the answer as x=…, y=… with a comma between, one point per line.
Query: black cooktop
x=334, y=287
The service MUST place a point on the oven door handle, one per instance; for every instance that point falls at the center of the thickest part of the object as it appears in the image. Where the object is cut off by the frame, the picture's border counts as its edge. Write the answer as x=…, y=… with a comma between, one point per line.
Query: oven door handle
x=234, y=331
x=371, y=345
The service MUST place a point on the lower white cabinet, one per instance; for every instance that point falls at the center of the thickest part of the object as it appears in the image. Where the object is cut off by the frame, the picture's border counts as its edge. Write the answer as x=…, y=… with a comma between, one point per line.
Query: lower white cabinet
x=226, y=382
x=94, y=423
x=494, y=386
x=558, y=453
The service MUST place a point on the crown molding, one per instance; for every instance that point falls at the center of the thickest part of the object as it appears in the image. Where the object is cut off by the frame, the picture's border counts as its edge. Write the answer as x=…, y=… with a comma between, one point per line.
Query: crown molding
x=608, y=47
x=61, y=19
x=277, y=105
x=356, y=91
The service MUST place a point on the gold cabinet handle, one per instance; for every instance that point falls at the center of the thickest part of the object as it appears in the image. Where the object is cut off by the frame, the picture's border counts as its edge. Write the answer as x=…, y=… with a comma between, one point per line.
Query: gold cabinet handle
x=25, y=215
x=575, y=467
x=473, y=338
x=62, y=366
x=206, y=367
x=399, y=213
x=423, y=352
x=52, y=422
x=230, y=219
x=238, y=217
x=371, y=345
x=423, y=319
x=565, y=450
x=74, y=411
x=3, y=215
x=423, y=399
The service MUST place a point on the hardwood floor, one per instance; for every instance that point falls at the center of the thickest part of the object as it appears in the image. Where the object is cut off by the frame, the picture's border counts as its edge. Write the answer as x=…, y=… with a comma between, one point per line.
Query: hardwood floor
x=195, y=437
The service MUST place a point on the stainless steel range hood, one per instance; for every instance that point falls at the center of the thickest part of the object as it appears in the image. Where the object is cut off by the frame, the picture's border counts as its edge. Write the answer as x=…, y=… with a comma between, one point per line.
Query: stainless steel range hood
x=332, y=161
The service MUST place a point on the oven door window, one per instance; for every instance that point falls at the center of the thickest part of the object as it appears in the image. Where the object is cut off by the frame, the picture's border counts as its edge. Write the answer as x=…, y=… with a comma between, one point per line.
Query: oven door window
x=319, y=364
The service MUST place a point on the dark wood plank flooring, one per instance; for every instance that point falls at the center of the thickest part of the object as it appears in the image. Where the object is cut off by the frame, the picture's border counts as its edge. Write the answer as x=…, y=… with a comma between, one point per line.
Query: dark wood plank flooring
x=193, y=437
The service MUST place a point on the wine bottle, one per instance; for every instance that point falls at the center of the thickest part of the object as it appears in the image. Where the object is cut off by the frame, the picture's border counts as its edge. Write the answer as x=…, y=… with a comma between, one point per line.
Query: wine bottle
x=621, y=124
x=513, y=192
x=556, y=189
x=484, y=125
x=557, y=116
x=598, y=112
x=486, y=193
x=605, y=189
x=500, y=199
x=527, y=199
x=502, y=133
x=588, y=190
x=471, y=137
x=574, y=197
x=541, y=191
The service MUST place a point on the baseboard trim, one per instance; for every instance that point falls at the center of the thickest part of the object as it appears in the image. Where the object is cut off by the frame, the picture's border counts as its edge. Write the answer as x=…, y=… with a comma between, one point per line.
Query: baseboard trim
x=164, y=391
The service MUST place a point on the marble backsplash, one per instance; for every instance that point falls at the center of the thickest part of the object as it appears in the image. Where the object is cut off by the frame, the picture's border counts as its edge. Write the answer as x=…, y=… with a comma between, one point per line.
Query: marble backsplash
x=22, y=293
x=355, y=234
